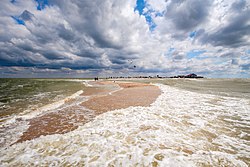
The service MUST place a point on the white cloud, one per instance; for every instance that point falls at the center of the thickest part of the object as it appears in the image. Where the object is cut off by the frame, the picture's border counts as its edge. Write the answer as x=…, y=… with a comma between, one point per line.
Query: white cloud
x=99, y=36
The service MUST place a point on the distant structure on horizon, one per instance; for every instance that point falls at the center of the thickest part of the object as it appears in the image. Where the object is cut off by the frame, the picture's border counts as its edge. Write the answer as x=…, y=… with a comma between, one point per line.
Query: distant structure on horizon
x=187, y=76
x=158, y=76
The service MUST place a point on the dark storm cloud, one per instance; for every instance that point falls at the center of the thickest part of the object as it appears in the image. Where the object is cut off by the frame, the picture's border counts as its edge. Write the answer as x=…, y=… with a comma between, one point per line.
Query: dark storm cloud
x=53, y=55
x=65, y=34
x=26, y=16
x=235, y=62
x=14, y=57
x=26, y=47
x=228, y=55
x=186, y=15
x=110, y=35
x=103, y=42
x=94, y=22
x=19, y=53
x=233, y=34
x=238, y=5
x=177, y=56
x=76, y=36
x=245, y=66
x=78, y=65
x=24, y=54
x=88, y=53
x=121, y=58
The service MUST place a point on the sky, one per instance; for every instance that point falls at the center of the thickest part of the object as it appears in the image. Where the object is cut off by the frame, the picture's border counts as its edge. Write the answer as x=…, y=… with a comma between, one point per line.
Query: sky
x=89, y=38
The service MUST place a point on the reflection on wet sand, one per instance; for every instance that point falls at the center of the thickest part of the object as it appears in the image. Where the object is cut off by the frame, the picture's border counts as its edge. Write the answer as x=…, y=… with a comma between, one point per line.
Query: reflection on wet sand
x=103, y=97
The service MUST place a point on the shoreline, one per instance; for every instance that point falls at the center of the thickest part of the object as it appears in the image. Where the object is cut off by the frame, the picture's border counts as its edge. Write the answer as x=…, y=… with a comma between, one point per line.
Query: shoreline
x=180, y=127
x=103, y=96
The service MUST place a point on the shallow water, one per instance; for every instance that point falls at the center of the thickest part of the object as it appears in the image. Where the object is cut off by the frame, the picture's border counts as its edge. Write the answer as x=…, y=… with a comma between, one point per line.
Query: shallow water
x=190, y=124
x=24, y=99
x=181, y=128
x=224, y=87
x=25, y=95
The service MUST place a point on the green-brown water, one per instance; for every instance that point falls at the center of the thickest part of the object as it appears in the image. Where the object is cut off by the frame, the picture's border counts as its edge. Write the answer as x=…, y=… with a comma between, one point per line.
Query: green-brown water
x=224, y=87
x=19, y=95
x=194, y=122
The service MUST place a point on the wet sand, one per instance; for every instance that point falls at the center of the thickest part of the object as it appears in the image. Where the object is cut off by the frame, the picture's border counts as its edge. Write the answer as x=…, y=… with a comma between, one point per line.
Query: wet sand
x=103, y=96
x=132, y=94
x=52, y=123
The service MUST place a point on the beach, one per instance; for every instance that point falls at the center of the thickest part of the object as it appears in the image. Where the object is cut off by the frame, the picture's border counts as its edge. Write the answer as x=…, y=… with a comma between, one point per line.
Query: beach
x=121, y=95
x=134, y=123
x=125, y=83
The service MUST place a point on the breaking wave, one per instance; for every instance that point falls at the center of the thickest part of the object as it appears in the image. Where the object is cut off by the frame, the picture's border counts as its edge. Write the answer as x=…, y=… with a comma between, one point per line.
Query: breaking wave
x=181, y=128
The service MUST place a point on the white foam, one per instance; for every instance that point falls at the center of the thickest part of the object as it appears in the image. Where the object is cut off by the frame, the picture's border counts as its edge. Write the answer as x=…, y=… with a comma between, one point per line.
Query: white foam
x=52, y=106
x=86, y=83
x=180, y=128
x=13, y=126
x=40, y=95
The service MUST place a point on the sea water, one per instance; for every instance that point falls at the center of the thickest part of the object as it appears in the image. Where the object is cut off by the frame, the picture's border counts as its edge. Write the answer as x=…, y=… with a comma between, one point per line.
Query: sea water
x=192, y=123
x=24, y=99
x=17, y=95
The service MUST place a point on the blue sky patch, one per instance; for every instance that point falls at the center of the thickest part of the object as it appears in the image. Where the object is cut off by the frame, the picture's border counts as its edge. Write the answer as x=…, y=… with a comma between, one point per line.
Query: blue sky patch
x=42, y=4
x=194, y=53
x=18, y=21
x=140, y=5
x=169, y=52
x=150, y=22
x=192, y=34
x=159, y=14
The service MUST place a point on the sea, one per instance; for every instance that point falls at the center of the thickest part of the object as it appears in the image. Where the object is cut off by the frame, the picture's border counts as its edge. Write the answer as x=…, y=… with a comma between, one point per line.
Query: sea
x=194, y=122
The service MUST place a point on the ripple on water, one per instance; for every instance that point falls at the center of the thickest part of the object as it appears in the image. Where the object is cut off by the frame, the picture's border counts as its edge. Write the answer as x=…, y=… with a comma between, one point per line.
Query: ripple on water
x=179, y=129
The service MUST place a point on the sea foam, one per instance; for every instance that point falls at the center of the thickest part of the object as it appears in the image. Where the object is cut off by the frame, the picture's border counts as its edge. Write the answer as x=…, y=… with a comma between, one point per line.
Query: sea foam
x=180, y=128
x=14, y=126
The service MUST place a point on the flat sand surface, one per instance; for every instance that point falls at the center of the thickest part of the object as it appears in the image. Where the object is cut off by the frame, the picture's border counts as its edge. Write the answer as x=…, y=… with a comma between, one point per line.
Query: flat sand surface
x=132, y=94
x=103, y=96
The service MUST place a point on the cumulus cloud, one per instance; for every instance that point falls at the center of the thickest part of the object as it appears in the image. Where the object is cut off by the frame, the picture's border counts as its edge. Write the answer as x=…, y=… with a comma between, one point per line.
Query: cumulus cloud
x=235, y=29
x=111, y=37
x=186, y=15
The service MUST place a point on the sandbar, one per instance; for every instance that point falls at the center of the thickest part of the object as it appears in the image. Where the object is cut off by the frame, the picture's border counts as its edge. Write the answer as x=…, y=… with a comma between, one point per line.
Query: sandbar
x=103, y=96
